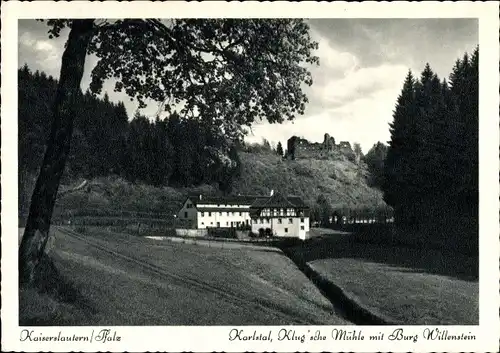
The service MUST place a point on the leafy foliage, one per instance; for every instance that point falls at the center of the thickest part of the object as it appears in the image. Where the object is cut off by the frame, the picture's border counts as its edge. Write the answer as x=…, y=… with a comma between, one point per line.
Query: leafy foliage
x=228, y=72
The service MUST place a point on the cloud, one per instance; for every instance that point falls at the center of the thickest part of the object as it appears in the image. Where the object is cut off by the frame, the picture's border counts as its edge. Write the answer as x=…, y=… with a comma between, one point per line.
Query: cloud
x=27, y=39
x=331, y=57
x=361, y=83
x=45, y=46
x=39, y=52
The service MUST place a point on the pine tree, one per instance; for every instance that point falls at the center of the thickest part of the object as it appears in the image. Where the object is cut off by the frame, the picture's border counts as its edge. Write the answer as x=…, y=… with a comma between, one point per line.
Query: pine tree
x=375, y=159
x=279, y=149
x=425, y=162
x=398, y=169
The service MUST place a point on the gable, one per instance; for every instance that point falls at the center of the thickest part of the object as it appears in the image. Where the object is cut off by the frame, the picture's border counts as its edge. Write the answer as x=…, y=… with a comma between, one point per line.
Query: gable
x=188, y=204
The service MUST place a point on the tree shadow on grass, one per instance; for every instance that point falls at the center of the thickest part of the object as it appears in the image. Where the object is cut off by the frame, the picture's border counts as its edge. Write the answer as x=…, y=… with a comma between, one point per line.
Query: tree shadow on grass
x=51, y=285
x=415, y=259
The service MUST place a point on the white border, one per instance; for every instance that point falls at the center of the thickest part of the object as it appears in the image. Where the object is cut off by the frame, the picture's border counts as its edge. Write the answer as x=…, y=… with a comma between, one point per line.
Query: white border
x=215, y=337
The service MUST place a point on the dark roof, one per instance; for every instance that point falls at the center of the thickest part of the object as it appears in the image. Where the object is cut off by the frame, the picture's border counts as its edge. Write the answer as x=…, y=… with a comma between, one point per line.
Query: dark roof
x=281, y=201
x=222, y=209
x=225, y=200
x=277, y=201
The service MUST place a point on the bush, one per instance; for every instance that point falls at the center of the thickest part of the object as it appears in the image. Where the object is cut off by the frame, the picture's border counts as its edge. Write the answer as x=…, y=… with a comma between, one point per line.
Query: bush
x=243, y=226
x=81, y=229
x=228, y=233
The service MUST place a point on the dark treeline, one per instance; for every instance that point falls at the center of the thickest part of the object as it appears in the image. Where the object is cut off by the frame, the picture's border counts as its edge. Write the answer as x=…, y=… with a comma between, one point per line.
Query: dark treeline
x=173, y=151
x=178, y=152
x=431, y=169
x=375, y=160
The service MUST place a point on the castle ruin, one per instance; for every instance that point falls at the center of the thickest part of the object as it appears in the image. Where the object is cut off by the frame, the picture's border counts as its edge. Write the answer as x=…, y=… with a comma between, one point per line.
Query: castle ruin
x=299, y=147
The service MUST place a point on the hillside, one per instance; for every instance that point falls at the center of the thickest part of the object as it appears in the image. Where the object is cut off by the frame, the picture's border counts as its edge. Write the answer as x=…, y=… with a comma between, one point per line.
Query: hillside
x=341, y=181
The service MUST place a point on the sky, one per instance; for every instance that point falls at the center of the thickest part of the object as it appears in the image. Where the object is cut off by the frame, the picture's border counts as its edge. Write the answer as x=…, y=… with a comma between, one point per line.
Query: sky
x=363, y=63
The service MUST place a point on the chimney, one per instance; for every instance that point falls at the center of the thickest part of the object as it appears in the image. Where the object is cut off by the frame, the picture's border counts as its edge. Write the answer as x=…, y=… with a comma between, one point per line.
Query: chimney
x=272, y=192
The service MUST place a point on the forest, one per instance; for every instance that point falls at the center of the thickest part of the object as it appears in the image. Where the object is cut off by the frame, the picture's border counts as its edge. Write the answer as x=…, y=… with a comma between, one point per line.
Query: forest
x=431, y=170
x=172, y=151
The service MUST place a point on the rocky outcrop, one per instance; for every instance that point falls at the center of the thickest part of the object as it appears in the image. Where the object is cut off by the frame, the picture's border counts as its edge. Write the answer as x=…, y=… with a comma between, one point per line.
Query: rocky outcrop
x=328, y=142
x=291, y=147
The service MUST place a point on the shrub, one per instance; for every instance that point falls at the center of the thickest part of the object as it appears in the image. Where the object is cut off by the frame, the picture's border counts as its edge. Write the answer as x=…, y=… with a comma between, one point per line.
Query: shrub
x=81, y=229
x=243, y=226
x=222, y=233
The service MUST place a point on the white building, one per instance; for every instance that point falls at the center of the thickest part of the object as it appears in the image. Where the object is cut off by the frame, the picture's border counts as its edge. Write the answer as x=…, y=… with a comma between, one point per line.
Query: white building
x=281, y=216
x=216, y=211
x=271, y=215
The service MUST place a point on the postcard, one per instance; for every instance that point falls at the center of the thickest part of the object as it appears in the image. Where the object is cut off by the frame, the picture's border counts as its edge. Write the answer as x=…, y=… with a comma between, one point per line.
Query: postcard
x=246, y=176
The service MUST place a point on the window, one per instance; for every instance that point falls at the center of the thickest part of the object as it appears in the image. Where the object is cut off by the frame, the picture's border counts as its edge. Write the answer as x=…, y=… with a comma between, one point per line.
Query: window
x=241, y=213
x=211, y=223
x=302, y=220
x=279, y=220
x=202, y=214
x=290, y=220
x=202, y=223
x=282, y=212
x=220, y=213
x=227, y=223
x=209, y=214
x=301, y=227
x=286, y=230
x=185, y=215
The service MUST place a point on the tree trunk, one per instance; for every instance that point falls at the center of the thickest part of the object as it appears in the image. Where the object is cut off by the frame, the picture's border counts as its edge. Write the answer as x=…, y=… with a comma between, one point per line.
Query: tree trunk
x=44, y=195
